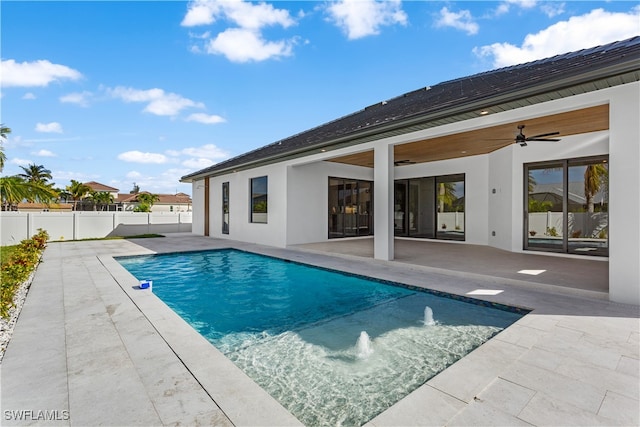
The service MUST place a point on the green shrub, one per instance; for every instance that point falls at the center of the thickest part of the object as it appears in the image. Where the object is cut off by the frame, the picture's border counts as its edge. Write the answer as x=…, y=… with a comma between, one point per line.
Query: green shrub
x=16, y=270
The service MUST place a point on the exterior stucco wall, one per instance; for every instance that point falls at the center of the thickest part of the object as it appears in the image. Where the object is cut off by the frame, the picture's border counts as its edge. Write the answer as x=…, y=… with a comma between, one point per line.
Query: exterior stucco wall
x=298, y=188
x=308, y=189
x=273, y=233
x=197, y=191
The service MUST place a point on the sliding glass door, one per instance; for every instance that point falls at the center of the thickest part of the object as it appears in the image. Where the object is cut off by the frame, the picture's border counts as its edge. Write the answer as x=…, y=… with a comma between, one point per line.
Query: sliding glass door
x=350, y=208
x=430, y=207
x=567, y=205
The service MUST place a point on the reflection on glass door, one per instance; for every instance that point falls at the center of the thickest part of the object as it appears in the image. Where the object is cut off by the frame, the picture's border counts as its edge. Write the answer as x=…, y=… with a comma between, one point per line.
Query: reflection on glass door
x=400, y=208
x=567, y=206
x=450, y=198
x=430, y=207
x=545, y=207
x=588, y=206
x=350, y=208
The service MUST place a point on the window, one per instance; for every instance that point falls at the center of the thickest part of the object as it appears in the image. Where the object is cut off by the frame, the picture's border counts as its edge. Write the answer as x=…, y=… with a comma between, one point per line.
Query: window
x=430, y=207
x=350, y=208
x=566, y=206
x=225, y=208
x=259, y=200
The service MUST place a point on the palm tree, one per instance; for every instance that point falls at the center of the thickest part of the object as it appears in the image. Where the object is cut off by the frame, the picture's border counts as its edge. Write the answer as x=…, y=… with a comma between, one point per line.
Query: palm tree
x=14, y=189
x=594, y=176
x=78, y=191
x=102, y=198
x=35, y=173
x=4, y=131
x=146, y=201
x=446, y=195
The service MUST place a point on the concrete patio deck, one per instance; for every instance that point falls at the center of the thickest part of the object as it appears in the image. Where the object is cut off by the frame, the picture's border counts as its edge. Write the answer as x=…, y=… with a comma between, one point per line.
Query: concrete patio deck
x=91, y=349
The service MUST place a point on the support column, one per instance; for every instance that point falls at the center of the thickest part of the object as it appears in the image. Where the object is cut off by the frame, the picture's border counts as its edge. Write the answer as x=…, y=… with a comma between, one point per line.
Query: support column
x=383, y=202
x=624, y=197
x=206, y=206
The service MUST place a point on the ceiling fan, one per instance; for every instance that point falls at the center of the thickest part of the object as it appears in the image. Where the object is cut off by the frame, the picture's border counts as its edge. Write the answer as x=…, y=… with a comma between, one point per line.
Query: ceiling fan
x=403, y=162
x=522, y=139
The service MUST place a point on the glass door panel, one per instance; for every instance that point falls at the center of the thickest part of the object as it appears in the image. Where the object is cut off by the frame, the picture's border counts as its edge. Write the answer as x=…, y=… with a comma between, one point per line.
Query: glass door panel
x=545, y=207
x=587, y=207
x=400, y=208
x=421, y=220
x=350, y=208
x=336, y=208
x=450, y=207
x=364, y=208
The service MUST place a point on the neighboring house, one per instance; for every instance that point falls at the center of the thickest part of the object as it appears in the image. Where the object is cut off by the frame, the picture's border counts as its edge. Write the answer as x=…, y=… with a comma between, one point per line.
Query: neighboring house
x=42, y=207
x=97, y=187
x=452, y=162
x=179, y=202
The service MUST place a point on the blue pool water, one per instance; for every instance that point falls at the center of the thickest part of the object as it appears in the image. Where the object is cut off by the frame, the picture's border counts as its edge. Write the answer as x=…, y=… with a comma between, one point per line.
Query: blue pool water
x=334, y=349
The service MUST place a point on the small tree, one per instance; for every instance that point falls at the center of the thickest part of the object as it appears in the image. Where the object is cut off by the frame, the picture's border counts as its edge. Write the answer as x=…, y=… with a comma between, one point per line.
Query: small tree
x=146, y=201
x=101, y=199
x=4, y=131
x=78, y=191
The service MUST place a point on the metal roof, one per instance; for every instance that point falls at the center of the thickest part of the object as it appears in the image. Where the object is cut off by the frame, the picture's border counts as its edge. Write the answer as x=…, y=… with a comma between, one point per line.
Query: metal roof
x=455, y=100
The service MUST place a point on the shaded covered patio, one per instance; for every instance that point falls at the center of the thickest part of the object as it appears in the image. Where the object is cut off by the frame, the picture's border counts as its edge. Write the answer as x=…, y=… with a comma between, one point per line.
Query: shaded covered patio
x=565, y=274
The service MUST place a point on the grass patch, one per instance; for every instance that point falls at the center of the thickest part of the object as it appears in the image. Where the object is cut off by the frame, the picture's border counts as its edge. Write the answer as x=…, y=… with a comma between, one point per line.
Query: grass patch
x=5, y=253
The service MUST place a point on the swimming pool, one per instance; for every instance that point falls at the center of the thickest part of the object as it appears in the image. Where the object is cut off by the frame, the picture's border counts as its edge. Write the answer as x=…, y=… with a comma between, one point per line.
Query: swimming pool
x=334, y=349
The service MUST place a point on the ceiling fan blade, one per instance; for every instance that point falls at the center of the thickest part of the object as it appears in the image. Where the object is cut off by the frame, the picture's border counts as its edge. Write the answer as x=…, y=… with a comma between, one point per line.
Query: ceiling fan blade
x=542, y=135
x=544, y=139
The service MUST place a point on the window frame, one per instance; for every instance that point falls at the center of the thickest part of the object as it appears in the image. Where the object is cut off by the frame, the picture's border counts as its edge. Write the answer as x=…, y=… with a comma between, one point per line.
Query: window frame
x=225, y=206
x=565, y=247
x=253, y=213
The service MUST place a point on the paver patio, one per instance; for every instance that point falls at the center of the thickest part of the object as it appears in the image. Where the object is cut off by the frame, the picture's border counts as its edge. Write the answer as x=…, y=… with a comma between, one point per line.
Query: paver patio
x=91, y=349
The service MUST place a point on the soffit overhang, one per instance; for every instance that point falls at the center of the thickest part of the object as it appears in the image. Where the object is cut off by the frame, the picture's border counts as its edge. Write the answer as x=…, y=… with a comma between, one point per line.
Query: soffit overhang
x=589, y=82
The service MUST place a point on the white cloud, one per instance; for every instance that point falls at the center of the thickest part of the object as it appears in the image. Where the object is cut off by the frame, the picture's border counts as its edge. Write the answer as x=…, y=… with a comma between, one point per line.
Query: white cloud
x=244, y=41
x=201, y=13
x=36, y=73
x=198, y=157
x=256, y=15
x=197, y=163
x=505, y=6
x=53, y=127
x=552, y=9
x=78, y=98
x=134, y=175
x=209, y=151
x=361, y=18
x=565, y=36
x=205, y=118
x=158, y=101
x=244, y=14
x=28, y=95
x=140, y=157
x=43, y=153
x=242, y=45
x=459, y=20
x=20, y=162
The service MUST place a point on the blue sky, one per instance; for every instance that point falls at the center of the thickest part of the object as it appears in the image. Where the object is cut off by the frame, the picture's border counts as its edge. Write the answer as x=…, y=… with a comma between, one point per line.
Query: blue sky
x=146, y=92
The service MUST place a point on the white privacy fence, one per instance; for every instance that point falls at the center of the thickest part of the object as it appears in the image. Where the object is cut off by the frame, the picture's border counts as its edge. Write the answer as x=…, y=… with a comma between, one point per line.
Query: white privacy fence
x=581, y=224
x=16, y=226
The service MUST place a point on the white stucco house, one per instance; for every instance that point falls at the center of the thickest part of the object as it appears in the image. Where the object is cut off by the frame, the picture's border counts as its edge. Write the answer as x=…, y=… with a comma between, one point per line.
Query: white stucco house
x=491, y=159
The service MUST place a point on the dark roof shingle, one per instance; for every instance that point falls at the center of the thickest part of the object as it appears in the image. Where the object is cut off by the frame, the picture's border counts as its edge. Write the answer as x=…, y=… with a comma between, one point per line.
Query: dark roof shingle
x=566, y=69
